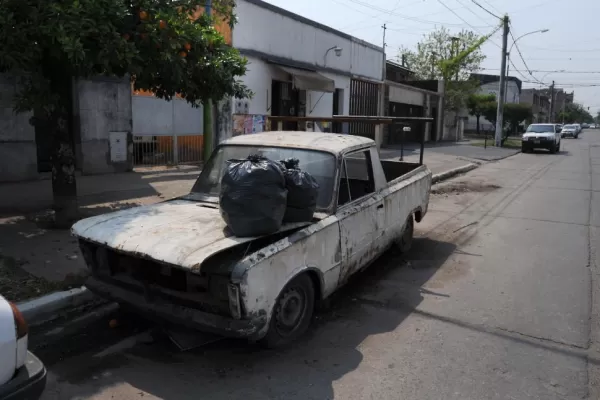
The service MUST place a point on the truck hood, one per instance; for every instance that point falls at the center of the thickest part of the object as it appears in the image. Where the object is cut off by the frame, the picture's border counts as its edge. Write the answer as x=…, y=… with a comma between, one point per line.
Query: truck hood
x=178, y=232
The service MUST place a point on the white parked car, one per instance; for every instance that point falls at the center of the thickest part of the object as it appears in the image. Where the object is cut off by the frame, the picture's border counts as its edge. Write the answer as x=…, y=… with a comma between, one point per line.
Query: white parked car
x=569, y=130
x=22, y=375
x=541, y=136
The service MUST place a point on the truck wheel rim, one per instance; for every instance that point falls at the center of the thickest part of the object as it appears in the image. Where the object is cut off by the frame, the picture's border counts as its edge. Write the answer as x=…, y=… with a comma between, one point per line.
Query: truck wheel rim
x=290, y=311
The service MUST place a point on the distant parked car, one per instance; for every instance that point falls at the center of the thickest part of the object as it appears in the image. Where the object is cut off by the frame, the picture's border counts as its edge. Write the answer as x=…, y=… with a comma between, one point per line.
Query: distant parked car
x=579, y=128
x=585, y=126
x=541, y=136
x=22, y=375
x=570, y=131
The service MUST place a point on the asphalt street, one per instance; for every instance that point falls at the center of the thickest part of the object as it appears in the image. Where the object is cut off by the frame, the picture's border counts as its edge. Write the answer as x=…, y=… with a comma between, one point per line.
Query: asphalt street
x=498, y=299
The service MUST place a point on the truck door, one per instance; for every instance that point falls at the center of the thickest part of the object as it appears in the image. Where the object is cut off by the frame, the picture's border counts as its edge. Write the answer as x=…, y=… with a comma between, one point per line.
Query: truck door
x=358, y=208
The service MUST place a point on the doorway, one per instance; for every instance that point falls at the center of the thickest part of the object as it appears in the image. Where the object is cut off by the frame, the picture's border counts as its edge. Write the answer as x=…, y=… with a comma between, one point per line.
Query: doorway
x=285, y=103
x=338, y=109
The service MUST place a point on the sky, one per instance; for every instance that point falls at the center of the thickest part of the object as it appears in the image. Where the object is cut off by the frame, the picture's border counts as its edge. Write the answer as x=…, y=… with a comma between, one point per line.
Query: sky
x=569, y=53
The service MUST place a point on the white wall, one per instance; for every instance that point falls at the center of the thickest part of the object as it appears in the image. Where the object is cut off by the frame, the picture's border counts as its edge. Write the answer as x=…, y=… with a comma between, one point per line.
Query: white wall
x=260, y=74
x=269, y=32
x=406, y=96
x=512, y=91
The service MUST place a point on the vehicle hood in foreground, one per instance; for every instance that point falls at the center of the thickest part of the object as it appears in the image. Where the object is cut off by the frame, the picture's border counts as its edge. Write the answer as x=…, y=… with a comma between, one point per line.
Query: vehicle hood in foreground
x=177, y=232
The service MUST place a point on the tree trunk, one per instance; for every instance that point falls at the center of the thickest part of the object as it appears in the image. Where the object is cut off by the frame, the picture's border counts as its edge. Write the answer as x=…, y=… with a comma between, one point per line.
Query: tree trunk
x=477, y=124
x=64, y=188
x=57, y=120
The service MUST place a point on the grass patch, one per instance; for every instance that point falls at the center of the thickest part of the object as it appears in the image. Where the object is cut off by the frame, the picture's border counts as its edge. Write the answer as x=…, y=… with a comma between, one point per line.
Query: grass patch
x=510, y=143
x=16, y=284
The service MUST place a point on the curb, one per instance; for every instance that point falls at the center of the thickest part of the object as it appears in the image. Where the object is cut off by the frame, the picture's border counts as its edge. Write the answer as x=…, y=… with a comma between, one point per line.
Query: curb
x=442, y=176
x=53, y=305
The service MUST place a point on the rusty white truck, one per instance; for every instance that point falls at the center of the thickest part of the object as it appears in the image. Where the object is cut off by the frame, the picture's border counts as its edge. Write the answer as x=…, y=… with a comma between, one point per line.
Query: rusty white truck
x=178, y=262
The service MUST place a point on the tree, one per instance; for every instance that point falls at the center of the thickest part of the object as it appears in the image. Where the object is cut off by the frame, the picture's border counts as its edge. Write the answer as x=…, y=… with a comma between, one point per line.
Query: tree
x=165, y=46
x=477, y=103
x=575, y=112
x=439, y=57
x=515, y=114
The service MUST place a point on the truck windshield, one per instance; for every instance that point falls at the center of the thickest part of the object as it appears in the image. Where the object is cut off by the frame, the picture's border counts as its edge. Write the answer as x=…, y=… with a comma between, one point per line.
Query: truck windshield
x=319, y=164
x=540, y=128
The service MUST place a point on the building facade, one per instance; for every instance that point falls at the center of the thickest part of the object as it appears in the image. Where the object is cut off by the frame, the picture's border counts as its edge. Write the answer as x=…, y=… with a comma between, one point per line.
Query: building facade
x=298, y=67
x=539, y=100
x=101, y=131
x=490, y=84
x=407, y=98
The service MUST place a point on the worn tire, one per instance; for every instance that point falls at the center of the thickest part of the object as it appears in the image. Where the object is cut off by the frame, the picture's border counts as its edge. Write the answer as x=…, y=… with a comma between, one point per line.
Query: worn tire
x=524, y=149
x=281, y=332
x=404, y=242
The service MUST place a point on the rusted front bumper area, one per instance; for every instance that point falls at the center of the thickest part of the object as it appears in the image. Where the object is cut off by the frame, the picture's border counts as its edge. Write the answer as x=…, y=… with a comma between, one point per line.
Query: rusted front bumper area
x=161, y=311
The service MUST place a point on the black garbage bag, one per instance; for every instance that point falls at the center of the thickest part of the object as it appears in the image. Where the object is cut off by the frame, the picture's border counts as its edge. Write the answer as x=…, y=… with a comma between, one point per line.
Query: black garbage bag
x=303, y=190
x=253, y=196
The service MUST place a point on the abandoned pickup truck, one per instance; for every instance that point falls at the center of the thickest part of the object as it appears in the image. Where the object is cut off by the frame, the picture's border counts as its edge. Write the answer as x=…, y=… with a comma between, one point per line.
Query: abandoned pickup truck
x=178, y=262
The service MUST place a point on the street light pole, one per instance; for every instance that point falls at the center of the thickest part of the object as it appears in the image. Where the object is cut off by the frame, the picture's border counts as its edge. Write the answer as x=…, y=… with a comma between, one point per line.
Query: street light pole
x=510, y=50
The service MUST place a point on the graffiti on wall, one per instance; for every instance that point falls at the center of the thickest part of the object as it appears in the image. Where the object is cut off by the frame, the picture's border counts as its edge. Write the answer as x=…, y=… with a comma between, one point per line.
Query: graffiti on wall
x=244, y=124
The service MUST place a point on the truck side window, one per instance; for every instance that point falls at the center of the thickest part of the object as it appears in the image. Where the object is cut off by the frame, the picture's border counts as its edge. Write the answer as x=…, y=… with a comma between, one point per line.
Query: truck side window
x=356, y=178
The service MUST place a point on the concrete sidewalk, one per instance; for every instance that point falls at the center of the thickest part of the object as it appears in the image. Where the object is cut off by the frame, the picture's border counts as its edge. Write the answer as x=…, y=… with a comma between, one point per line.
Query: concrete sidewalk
x=35, y=260
x=143, y=186
x=453, y=149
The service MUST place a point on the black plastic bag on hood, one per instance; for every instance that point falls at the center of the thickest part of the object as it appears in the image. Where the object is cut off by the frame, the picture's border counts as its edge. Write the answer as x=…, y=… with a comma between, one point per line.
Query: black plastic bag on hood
x=253, y=196
x=303, y=190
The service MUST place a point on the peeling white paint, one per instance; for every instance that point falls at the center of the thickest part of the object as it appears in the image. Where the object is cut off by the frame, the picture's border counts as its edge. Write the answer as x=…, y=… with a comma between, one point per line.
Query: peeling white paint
x=184, y=233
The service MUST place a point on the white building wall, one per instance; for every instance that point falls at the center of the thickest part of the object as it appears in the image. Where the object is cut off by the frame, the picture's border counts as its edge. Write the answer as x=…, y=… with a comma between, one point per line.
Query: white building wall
x=265, y=33
x=406, y=96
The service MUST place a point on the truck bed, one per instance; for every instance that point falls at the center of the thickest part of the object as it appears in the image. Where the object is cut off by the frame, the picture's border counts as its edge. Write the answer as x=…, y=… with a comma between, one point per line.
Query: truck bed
x=395, y=169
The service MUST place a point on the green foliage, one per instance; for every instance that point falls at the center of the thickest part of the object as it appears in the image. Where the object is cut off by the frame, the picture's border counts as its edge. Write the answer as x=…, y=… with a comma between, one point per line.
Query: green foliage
x=515, y=114
x=436, y=49
x=438, y=57
x=155, y=42
x=477, y=103
x=575, y=112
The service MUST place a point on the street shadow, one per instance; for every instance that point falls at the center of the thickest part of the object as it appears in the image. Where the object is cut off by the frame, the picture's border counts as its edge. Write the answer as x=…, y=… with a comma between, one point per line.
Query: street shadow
x=20, y=198
x=375, y=301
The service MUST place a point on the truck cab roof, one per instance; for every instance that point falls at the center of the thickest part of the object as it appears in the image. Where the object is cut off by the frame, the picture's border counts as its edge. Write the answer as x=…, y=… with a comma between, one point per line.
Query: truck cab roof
x=330, y=142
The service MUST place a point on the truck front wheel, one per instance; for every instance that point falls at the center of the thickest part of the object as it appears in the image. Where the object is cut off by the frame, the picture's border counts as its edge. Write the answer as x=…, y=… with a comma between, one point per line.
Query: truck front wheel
x=292, y=313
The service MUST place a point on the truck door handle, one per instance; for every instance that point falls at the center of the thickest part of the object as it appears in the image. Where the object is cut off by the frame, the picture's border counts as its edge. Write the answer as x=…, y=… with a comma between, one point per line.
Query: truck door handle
x=379, y=207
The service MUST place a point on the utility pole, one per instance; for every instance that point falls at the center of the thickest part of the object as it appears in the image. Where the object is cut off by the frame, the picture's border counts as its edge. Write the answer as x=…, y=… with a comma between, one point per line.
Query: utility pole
x=500, y=111
x=433, y=55
x=455, y=51
x=381, y=108
x=552, y=103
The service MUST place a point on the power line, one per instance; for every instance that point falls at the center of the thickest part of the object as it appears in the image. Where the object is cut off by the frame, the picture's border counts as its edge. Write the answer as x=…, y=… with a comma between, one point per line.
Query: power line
x=485, y=9
x=407, y=17
x=521, y=56
x=462, y=19
x=562, y=71
x=394, y=8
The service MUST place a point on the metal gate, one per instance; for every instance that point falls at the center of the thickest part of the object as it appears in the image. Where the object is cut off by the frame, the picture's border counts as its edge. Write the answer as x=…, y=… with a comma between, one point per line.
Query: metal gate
x=167, y=150
x=165, y=132
x=363, y=101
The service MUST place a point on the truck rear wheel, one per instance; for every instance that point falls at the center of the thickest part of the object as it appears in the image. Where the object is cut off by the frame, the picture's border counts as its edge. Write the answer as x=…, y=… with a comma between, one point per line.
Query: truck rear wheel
x=292, y=313
x=404, y=242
